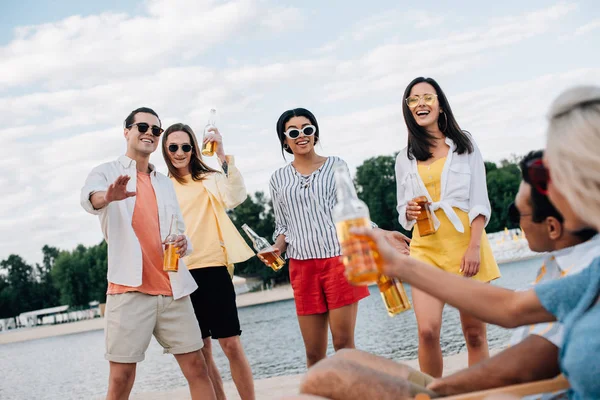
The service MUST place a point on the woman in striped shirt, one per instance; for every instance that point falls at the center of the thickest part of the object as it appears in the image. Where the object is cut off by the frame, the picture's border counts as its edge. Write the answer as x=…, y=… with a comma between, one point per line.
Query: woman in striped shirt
x=303, y=194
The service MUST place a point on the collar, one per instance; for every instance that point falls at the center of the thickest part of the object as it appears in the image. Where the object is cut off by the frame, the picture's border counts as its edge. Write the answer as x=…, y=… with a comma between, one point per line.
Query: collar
x=127, y=162
x=566, y=258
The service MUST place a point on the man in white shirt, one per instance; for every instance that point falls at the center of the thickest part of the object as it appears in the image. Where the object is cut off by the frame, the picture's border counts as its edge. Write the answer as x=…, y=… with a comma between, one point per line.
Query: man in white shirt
x=135, y=205
x=533, y=353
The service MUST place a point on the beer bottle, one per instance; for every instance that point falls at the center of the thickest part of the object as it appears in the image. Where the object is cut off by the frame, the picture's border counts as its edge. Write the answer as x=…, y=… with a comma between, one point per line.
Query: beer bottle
x=209, y=148
x=264, y=248
x=171, y=258
x=393, y=295
x=359, y=253
x=424, y=220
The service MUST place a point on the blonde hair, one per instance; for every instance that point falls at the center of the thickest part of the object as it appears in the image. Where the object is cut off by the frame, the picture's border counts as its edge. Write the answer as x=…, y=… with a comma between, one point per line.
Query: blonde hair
x=573, y=150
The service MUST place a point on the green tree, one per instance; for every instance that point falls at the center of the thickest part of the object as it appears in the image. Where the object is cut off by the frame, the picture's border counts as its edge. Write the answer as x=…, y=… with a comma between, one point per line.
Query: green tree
x=503, y=185
x=19, y=287
x=80, y=275
x=46, y=289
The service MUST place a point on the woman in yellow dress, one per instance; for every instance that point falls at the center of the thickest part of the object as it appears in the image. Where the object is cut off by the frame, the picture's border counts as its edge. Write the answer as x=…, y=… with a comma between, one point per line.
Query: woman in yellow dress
x=443, y=163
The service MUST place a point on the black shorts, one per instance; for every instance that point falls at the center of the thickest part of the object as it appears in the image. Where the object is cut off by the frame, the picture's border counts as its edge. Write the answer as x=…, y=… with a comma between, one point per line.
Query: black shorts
x=214, y=303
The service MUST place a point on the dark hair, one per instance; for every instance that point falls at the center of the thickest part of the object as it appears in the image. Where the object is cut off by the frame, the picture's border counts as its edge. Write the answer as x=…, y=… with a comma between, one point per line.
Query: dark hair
x=131, y=117
x=198, y=168
x=541, y=208
x=419, y=140
x=285, y=117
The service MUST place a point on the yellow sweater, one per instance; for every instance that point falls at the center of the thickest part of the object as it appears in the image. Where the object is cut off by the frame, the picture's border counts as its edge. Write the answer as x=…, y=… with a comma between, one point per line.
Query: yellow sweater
x=215, y=240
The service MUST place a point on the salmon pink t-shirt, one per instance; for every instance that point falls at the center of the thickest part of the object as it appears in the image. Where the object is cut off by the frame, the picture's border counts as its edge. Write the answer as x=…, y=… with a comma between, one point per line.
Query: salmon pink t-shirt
x=145, y=224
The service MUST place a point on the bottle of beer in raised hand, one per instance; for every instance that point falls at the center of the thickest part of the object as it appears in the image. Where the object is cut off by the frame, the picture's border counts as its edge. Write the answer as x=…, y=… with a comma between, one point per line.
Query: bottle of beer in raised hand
x=359, y=253
x=209, y=148
x=264, y=249
x=171, y=258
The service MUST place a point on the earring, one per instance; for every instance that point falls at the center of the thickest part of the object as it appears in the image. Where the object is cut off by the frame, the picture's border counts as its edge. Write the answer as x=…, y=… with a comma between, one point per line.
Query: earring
x=285, y=146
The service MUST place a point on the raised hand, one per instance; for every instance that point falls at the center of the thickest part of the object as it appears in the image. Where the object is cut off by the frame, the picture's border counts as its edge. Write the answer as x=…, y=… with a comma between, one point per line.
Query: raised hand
x=215, y=136
x=118, y=190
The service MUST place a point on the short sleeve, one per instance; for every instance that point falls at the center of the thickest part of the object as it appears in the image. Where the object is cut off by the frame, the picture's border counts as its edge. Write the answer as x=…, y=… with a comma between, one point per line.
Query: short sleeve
x=561, y=296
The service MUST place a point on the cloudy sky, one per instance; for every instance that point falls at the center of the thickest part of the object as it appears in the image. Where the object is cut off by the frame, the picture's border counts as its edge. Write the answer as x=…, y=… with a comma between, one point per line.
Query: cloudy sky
x=71, y=72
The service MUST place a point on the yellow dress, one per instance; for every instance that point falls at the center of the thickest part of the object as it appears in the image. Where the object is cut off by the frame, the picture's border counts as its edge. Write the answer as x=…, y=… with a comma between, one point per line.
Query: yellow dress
x=446, y=247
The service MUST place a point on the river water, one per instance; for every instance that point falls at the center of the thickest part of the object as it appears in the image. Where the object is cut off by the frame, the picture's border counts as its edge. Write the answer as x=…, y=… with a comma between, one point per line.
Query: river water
x=73, y=366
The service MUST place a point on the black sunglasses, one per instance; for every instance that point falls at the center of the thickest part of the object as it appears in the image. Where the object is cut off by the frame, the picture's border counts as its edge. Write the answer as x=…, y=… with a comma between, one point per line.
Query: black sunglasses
x=143, y=128
x=185, y=147
x=514, y=215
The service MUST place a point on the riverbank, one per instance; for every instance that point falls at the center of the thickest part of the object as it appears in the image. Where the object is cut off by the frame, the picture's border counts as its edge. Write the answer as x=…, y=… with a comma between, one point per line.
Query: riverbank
x=279, y=386
x=279, y=293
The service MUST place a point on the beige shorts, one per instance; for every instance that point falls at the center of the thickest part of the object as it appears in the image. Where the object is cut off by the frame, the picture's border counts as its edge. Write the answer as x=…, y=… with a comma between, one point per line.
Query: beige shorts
x=133, y=317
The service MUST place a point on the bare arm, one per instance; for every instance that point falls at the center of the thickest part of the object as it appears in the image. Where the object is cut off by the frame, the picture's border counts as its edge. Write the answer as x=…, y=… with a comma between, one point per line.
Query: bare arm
x=533, y=359
x=491, y=304
x=471, y=261
x=281, y=244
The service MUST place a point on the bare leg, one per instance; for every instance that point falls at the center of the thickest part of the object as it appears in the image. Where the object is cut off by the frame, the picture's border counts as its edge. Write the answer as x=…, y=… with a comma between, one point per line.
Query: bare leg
x=213, y=371
x=195, y=371
x=342, y=322
x=314, y=334
x=120, y=380
x=241, y=373
x=303, y=397
x=428, y=311
x=476, y=338
x=342, y=379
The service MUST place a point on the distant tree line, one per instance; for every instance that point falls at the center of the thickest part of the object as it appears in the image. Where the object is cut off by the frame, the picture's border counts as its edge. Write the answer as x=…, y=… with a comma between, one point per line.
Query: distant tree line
x=79, y=276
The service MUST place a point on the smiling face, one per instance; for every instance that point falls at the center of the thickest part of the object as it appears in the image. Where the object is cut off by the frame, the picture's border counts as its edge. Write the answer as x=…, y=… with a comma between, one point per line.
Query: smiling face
x=425, y=115
x=180, y=159
x=302, y=144
x=142, y=144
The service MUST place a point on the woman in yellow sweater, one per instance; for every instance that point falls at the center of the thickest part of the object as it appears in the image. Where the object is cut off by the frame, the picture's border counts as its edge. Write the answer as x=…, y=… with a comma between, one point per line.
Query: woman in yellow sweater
x=444, y=164
x=203, y=195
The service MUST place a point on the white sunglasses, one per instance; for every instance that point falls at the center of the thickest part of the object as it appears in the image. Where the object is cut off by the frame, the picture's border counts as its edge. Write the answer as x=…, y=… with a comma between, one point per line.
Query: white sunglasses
x=307, y=130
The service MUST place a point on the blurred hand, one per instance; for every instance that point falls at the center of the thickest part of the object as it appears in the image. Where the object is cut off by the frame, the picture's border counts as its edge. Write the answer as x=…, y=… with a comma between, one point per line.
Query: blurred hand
x=389, y=254
x=397, y=240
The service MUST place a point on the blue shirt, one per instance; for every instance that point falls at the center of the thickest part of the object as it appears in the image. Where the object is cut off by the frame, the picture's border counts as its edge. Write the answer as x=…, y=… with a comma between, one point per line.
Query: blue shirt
x=573, y=300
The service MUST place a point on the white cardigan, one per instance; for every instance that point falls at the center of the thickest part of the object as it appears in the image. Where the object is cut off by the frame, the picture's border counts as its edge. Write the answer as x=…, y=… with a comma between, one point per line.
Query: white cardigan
x=463, y=185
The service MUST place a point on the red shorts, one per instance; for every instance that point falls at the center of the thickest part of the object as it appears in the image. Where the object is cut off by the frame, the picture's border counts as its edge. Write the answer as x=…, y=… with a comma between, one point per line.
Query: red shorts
x=320, y=285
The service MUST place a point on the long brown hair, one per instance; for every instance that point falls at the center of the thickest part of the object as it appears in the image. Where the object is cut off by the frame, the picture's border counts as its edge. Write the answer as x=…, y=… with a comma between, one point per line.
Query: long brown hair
x=419, y=140
x=197, y=167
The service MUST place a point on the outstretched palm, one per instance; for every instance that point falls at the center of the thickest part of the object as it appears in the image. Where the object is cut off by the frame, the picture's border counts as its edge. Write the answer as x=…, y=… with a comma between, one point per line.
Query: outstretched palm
x=118, y=190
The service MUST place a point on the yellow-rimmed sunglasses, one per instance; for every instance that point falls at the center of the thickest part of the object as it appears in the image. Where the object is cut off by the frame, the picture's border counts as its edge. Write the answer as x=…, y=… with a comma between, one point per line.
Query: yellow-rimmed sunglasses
x=428, y=99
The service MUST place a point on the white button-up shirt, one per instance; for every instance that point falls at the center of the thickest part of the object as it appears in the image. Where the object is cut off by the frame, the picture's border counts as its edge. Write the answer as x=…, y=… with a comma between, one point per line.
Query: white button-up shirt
x=463, y=185
x=124, y=250
x=569, y=261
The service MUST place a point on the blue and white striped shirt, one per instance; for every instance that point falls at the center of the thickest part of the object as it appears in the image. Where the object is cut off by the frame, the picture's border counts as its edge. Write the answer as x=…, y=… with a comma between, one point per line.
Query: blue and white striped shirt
x=303, y=207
